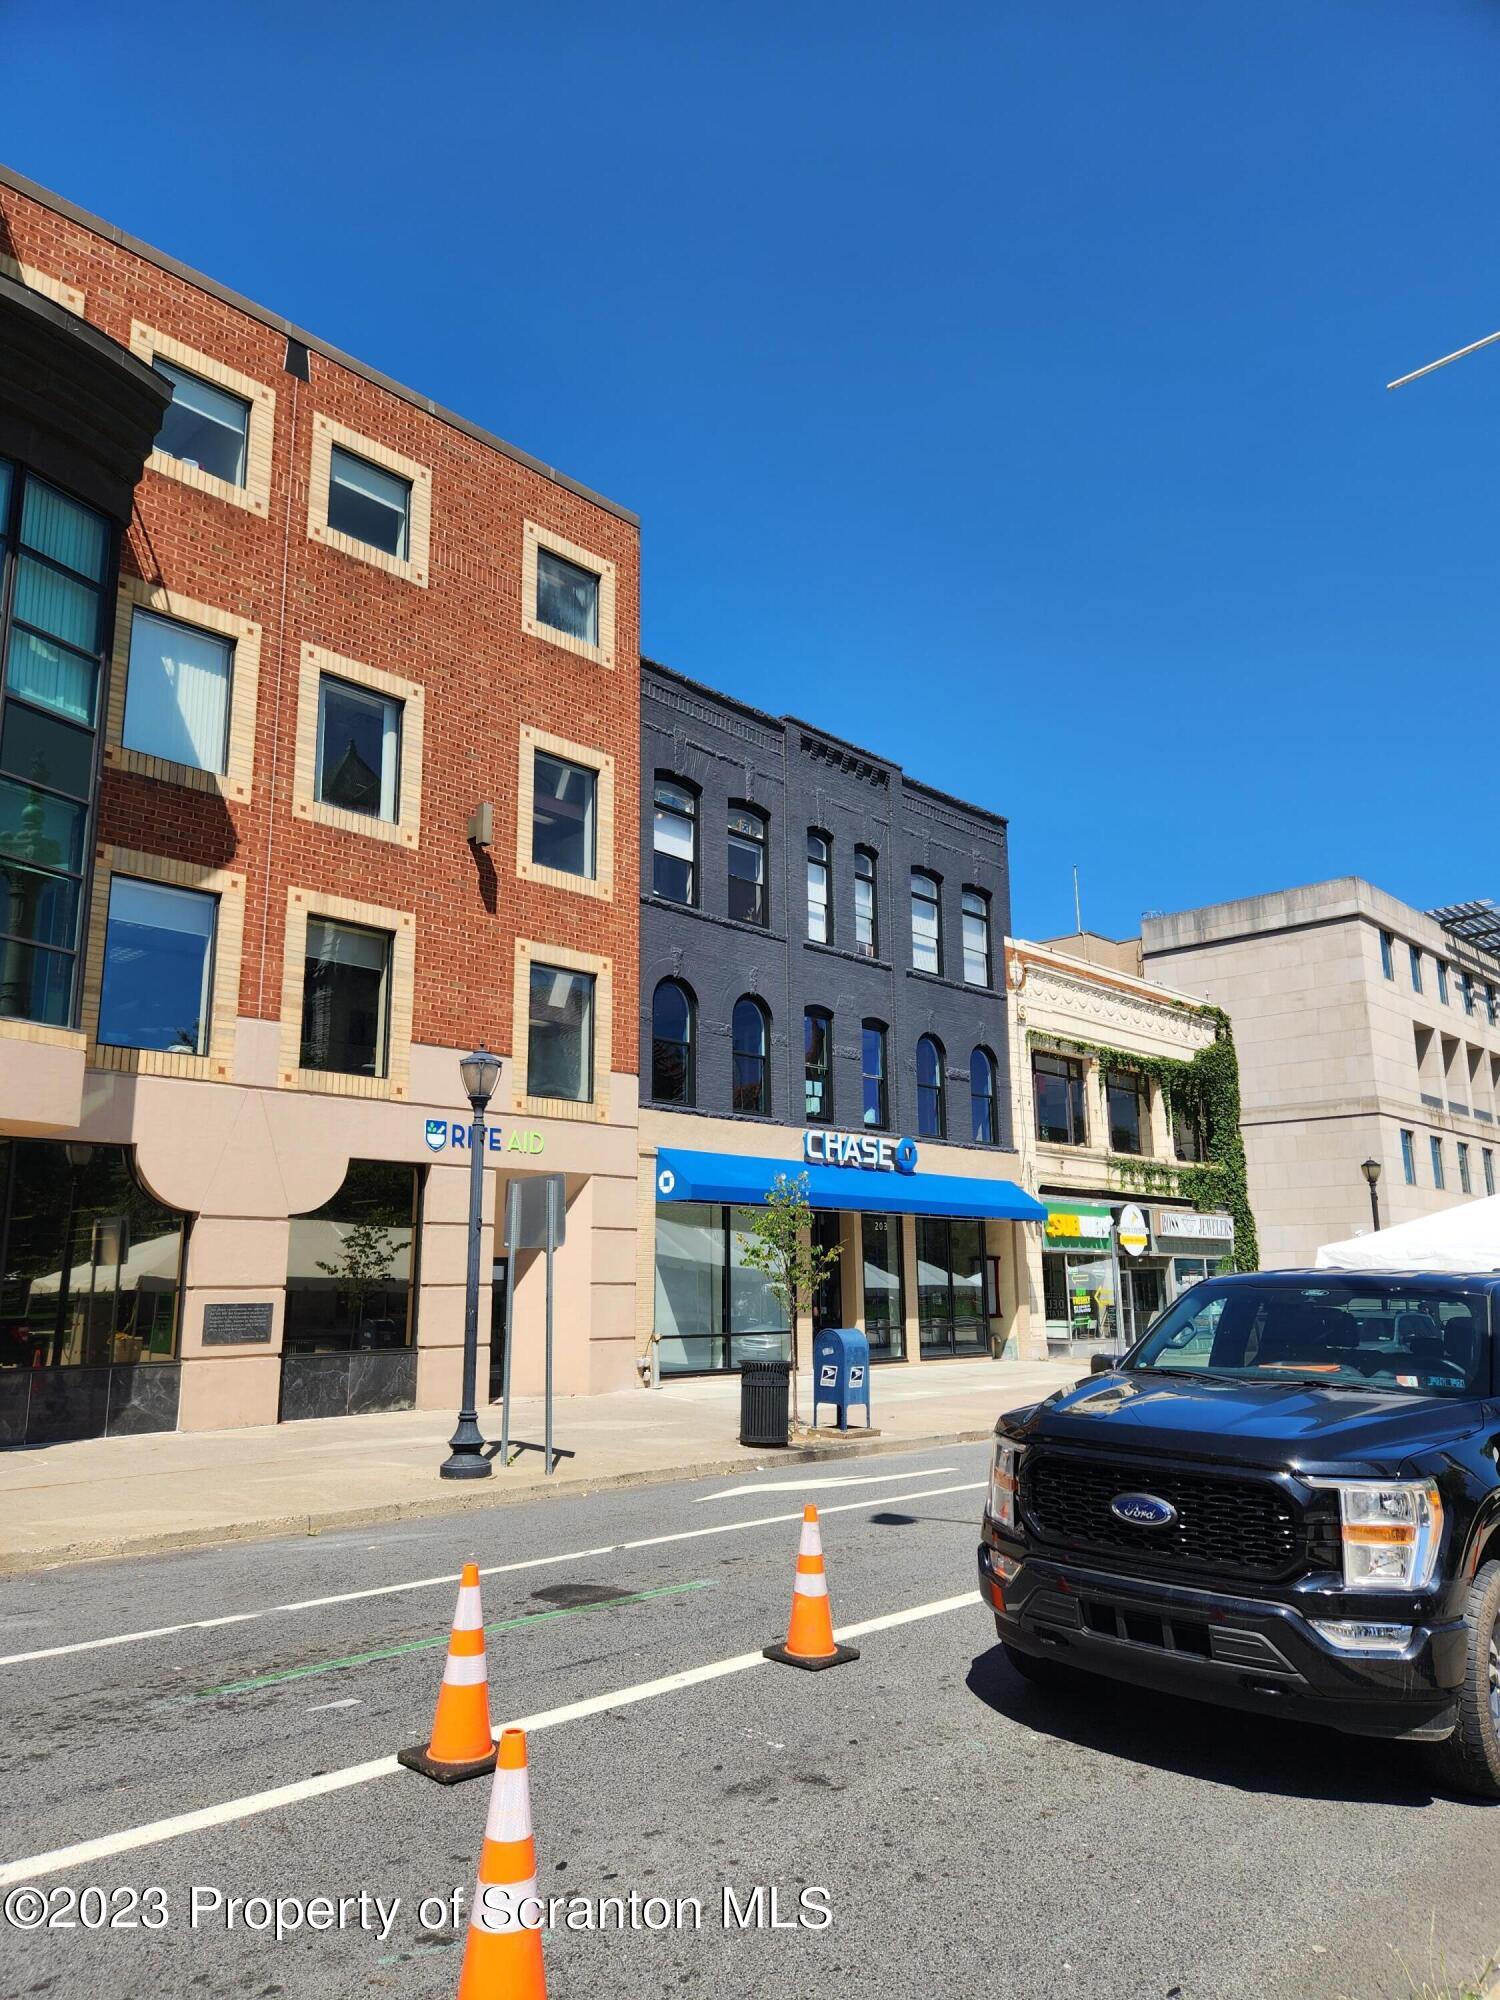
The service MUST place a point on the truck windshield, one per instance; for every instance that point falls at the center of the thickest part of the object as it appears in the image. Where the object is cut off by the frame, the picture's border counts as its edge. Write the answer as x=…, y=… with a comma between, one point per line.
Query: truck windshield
x=1355, y=1332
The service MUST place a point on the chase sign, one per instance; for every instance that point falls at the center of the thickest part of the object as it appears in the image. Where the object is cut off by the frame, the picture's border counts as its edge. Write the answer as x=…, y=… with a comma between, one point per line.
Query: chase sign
x=859, y=1149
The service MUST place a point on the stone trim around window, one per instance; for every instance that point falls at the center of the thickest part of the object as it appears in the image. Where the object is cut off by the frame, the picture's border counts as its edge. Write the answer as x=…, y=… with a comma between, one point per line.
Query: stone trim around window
x=244, y=691
x=402, y=926
x=217, y=1064
x=405, y=829
x=65, y=295
x=534, y=537
x=414, y=567
x=596, y=1110
x=601, y=885
x=255, y=495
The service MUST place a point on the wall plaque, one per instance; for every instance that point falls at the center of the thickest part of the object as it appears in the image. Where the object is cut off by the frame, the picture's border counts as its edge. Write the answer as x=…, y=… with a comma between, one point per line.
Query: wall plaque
x=236, y=1325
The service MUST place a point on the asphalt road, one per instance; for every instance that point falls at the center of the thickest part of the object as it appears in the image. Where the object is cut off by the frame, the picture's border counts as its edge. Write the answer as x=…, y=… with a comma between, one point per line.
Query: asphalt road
x=971, y=1835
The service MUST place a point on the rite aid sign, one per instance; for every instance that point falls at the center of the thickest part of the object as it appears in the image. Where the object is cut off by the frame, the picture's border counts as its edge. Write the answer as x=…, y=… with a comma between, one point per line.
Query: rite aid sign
x=860, y=1149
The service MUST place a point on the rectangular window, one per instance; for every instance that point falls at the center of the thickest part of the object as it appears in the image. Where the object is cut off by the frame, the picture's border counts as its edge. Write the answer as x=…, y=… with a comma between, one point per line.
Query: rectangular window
x=866, y=930
x=950, y=1286
x=1442, y=973
x=158, y=967
x=203, y=426
x=1464, y=1179
x=1466, y=990
x=1189, y=1141
x=1492, y=1005
x=1387, y=959
x=359, y=749
x=885, y=1313
x=560, y=1034
x=976, y=916
x=368, y=504
x=1123, y=1098
x=1057, y=1085
x=926, y=923
x=713, y=1310
x=817, y=887
x=1439, y=1178
x=567, y=597
x=562, y=816
x=1416, y=968
x=345, y=998
x=872, y=1064
x=674, y=843
x=748, y=902
x=1409, y=1158
x=177, y=692
x=1488, y=1160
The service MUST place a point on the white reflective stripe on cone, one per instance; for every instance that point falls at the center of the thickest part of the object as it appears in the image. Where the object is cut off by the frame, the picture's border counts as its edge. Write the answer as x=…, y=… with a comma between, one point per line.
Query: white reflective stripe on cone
x=510, y=1806
x=498, y=1906
x=811, y=1586
x=465, y=1670
x=468, y=1617
x=811, y=1543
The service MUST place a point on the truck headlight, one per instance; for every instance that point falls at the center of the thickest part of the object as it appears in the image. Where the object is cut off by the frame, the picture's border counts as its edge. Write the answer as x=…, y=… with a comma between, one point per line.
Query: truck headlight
x=1390, y=1531
x=1005, y=1474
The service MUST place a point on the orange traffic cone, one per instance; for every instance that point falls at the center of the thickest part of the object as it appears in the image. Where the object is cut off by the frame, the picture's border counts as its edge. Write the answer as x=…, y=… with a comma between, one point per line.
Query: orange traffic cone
x=461, y=1745
x=809, y=1641
x=503, y=1952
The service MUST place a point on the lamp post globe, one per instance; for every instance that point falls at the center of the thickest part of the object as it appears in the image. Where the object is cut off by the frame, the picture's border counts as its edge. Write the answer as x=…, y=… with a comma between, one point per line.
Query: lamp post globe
x=479, y=1073
x=1371, y=1171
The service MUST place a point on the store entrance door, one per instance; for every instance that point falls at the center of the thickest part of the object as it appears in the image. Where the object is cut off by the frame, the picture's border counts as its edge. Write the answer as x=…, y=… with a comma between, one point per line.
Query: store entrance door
x=828, y=1299
x=1145, y=1295
x=497, y=1328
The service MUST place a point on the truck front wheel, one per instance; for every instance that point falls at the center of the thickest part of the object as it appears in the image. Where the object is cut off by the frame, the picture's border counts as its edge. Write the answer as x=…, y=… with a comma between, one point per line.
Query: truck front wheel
x=1470, y=1759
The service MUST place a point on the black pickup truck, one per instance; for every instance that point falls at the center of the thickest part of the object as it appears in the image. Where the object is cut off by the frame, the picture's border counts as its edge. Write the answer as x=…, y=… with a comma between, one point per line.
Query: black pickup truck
x=1285, y=1498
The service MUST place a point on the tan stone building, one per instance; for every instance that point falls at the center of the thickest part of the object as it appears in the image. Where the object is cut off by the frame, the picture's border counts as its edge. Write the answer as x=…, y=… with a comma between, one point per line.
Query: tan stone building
x=1100, y=1146
x=1366, y=1030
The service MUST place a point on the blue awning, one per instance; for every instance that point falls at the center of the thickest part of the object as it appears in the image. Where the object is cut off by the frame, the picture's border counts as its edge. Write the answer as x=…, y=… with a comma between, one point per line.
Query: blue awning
x=742, y=1180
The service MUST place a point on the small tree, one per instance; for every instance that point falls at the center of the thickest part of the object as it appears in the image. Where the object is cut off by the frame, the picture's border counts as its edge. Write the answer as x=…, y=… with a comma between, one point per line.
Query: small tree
x=781, y=1246
x=369, y=1253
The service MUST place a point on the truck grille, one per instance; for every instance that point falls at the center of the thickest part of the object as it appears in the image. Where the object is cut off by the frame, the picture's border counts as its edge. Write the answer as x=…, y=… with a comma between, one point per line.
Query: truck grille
x=1224, y=1527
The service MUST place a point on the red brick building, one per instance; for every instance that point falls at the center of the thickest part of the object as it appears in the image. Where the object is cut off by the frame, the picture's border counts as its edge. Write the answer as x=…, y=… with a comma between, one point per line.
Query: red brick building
x=275, y=629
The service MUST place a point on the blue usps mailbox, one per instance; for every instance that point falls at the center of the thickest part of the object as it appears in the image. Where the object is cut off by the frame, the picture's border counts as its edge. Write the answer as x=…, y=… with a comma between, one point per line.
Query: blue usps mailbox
x=841, y=1371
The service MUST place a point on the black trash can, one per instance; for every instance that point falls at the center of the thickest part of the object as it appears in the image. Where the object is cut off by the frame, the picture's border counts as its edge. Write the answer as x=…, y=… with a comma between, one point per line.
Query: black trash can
x=765, y=1402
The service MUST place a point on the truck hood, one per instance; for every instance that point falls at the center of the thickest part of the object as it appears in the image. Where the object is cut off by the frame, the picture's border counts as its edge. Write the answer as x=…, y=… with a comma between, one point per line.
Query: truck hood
x=1263, y=1423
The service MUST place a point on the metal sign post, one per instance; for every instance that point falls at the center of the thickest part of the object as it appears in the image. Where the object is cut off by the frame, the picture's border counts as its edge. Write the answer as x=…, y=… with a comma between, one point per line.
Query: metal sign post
x=535, y=1219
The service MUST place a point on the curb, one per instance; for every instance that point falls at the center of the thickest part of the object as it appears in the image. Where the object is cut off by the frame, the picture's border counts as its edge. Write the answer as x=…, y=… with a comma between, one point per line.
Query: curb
x=493, y=1493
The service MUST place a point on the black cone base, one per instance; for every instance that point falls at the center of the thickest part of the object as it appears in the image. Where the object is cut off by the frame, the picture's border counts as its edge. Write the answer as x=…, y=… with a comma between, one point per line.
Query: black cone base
x=840, y=1656
x=417, y=1759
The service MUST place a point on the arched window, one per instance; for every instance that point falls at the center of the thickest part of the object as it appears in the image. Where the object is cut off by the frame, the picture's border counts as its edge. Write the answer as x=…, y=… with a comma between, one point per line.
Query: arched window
x=872, y=1065
x=673, y=1019
x=751, y=1035
x=817, y=1063
x=866, y=916
x=926, y=922
x=976, y=916
x=748, y=900
x=932, y=1108
x=984, y=1109
x=819, y=868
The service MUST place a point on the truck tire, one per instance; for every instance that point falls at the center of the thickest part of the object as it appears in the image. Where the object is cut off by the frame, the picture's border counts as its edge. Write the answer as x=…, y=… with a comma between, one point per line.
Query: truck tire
x=1043, y=1670
x=1470, y=1759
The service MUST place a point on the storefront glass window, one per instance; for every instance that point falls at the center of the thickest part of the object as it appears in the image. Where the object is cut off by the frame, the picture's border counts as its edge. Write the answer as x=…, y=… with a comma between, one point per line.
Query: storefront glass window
x=90, y=1263
x=349, y=1264
x=1077, y=1290
x=950, y=1286
x=885, y=1327
x=712, y=1311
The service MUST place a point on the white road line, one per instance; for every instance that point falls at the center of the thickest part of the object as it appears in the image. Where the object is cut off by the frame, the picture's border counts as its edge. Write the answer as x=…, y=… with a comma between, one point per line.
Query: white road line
x=349, y=1701
x=156, y=1831
x=493, y=1569
x=773, y=1486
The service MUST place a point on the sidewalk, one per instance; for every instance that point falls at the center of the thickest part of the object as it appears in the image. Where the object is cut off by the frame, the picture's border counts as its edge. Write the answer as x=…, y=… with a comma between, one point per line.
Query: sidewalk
x=174, y=1490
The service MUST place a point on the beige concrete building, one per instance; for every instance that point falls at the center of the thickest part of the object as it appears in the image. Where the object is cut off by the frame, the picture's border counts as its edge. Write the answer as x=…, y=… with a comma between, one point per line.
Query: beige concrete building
x=1101, y=1147
x=1366, y=1030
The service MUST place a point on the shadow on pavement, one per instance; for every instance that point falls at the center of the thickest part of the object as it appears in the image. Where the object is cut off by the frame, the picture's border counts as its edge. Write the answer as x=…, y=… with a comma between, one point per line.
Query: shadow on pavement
x=1223, y=1746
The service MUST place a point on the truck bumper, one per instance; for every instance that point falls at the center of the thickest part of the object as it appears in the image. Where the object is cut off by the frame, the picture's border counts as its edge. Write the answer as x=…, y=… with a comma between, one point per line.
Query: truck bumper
x=1241, y=1652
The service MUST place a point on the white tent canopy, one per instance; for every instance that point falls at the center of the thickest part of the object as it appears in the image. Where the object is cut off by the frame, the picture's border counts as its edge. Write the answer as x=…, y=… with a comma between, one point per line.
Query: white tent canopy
x=1465, y=1237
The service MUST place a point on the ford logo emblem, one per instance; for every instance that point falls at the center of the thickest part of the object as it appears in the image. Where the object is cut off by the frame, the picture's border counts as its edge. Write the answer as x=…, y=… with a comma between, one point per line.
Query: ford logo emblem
x=1143, y=1510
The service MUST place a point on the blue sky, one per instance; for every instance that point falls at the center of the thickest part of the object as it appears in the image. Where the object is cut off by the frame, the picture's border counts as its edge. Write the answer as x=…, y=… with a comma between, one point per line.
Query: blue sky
x=1001, y=385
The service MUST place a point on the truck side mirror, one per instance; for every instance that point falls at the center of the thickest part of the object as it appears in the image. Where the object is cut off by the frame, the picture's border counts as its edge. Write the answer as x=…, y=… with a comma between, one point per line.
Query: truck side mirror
x=1102, y=1364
